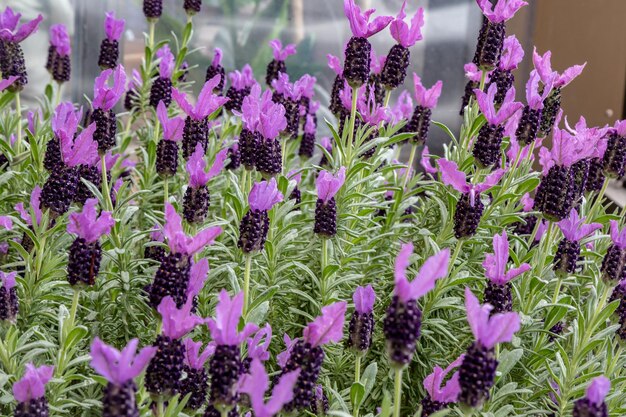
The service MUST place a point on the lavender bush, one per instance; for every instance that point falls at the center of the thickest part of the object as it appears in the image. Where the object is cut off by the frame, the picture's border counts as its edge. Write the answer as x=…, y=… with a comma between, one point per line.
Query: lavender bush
x=324, y=276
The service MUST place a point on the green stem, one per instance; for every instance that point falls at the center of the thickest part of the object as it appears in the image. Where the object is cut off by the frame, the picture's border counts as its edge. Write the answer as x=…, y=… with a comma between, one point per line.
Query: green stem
x=106, y=194
x=557, y=289
x=351, y=126
x=357, y=378
x=160, y=408
x=246, y=284
x=18, y=110
x=397, y=392
x=455, y=254
x=407, y=173
x=151, y=24
x=598, y=201
x=387, y=98
x=324, y=263
x=74, y=308
x=283, y=146
x=165, y=191
x=58, y=94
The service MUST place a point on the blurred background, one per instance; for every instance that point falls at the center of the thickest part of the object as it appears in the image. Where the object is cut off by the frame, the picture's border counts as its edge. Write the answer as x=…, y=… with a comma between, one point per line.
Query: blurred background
x=576, y=31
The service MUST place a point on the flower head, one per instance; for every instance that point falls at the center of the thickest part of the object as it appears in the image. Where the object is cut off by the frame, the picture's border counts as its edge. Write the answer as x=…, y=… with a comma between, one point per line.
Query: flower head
x=60, y=39
x=224, y=327
x=88, y=225
x=598, y=390
x=566, y=150
x=451, y=175
x=196, y=166
x=486, y=103
x=120, y=367
x=512, y=54
x=364, y=299
x=272, y=118
x=434, y=268
x=207, y=101
x=197, y=277
x=334, y=64
x=304, y=87
x=9, y=30
x=217, y=57
x=474, y=73
x=327, y=143
x=533, y=97
x=433, y=383
x=177, y=322
x=372, y=112
x=426, y=97
x=251, y=109
x=80, y=151
x=328, y=327
x=488, y=329
x=543, y=66
x=113, y=27
x=495, y=263
x=502, y=11
x=7, y=280
x=172, y=128
x=359, y=21
x=33, y=383
x=400, y=30
x=283, y=357
x=106, y=97
x=242, y=79
x=178, y=241
x=193, y=357
x=425, y=161
x=258, y=346
x=309, y=125
x=34, y=206
x=618, y=237
x=167, y=62
x=257, y=383
x=328, y=184
x=65, y=121
x=280, y=53
x=264, y=195
x=574, y=227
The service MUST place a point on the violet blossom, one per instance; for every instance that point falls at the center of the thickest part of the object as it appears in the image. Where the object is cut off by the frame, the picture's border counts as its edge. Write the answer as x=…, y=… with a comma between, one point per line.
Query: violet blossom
x=281, y=53
x=328, y=327
x=177, y=322
x=328, y=184
x=257, y=383
x=33, y=384
x=434, y=268
x=119, y=367
x=502, y=11
x=426, y=163
x=489, y=330
x=106, y=97
x=178, y=241
x=172, y=128
x=487, y=105
x=495, y=263
x=12, y=31
x=195, y=357
x=224, y=327
x=451, y=175
x=437, y=391
x=207, y=103
x=574, y=227
x=113, y=27
x=34, y=206
x=60, y=39
x=198, y=275
x=400, y=30
x=88, y=224
x=359, y=21
x=196, y=167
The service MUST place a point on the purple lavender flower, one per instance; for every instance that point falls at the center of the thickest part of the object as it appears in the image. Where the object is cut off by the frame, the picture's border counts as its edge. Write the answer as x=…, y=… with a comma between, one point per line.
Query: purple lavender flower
x=327, y=144
x=197, y=380
x=474, y=76
x=196, y=125
x=307, y=355
x=197, y=197
x=271, y=122
x=394, y=71
x=166, y=367
x=234, y=156
x=614, y=262
x=9, y=303
x=478, y=370
x=357, y=53
x=328, y=186
x=11, y=55
x=240, y=84
x=614, y=157
x=487, y=145
x=225, y=365
x=319, y=404
x=426, y=163
x=192, y=6
x=119, y=369
x=58, y=64
x=502, y=76
x=307, y=144
x=258, y=347
x=362, y=321
x=528, y=126
x=426, y=101
x=491, y=37
x=403, y=319
x=105, y=98
x=256, y=222
x=498, y=290
x=250, y=138
x=296, y=194
x=593, y=404
x=152, y=9
x=277, y=65
x=63, y=122
x=110, y=46
x=257, y=383
x=289, y=96
x=167, y=150
x=469, y=208
x=216, y=69
x=85, y=253
x=552, y=104
x=30, y=391
x=439, y=397
x=132, y=87
x=161, y=90
x=574, y=229
x=335, y=102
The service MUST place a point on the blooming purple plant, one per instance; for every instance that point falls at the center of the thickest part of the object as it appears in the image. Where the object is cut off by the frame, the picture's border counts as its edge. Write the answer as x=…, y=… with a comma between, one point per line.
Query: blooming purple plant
x=543, y=65
x=426, y=163
x=451, y=175
x=574, y=227
x=502, y=11
x=60, y=39
x=206, y=104
x=328, y=327
x=224, y=327
x=12, y=31
x=177, y=322
x=328, y=184
x=166, y=62
x=258, y=345
x=172, y=127
x=400, y=30
x=512, y=54
x=435, y=267
x=440, y=395
x=198, y=275
x=426, y=97
x=362, y=321
x=105, y=96
x=486, y=103
x=32, y=386
x=257, y=382
x=593, y=403
x=264, y=195
x=326, y=208
x=88, y=225
x=9, y=303
x=113, y=28
x=120, y=367
x=495, y=263
x=195, y=357
x=178, y=241
x=359, y=21
x=196, y=167
x=281, y=53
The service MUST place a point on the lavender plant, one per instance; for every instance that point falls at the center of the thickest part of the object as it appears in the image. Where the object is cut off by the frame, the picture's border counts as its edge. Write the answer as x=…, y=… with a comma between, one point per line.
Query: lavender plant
x=311, y=227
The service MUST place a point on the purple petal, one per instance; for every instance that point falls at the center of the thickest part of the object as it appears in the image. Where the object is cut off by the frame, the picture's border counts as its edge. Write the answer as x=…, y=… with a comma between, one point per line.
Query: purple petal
x=328, y=327
x=113, y=27
x=364, y=298
x=512, y=54
x=259, y=350
x=569, y=75
x=60, y=39
x=7, y=280
x=33, y=383
x=334, y=64
x=598, y=389
x=426, y=163
x=451, y=175
x=88, y=225
x=434, y=268
x=282, y=392
x=197, y=277
x=264, y=195
x=491, y=180
x=328, y=185
x=195, y=167
x=426, y=97
x=6, y=222
x=27, y=29
x=500, y=328
x=177, y=322
x=227, y=314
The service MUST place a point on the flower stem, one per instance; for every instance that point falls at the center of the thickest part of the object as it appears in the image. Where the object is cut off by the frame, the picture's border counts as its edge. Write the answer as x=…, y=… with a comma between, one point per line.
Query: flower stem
x=106, y=194
x=387, y=98
x=160, y=408
x=74, y=308
x=246, y=283
x=397, y=392
x=409, y=168
x=351, y=126
x=18, y=110
x=455, y=254
x=324, y=263
x=357, y=378
x=165, y=191
x=151, y=24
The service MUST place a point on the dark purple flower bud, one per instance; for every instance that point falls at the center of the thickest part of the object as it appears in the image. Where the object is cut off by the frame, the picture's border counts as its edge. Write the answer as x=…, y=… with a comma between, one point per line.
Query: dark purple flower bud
x=225, y=370
x=171, y=278
x=528, y=126
x=195, y=132
x=91, y=174
x=566, y=256
x=319, y=404
x=58, y=64
x=255, y=224
x=467, y=216
x=241, y=83
x=196, y=204
x=166, y=367
x=487, y=145
x=161, y=91
x=30, y=391
x=269, y=157
x=234, y=157
x=216, y=68
x=235, y=98
x=357, y=61
x=12, y=64
x=419, y=125
x=211, y=411
x=308, y=359
x=593, y=404
x=53, y=161
x=335, y=105
x=152, y=9
x=249, y=143
x=326, y=207
x=396, y=64
x=106, y=129
x=595, y=178
x=490, y=44
x=555, y=331
x=477, y=374
x=120, y=400
x=307, y=145
x=402, y=327
x=469, y=94
x=499, y=296
x=192, y=6
x=362, y=321
x=167, y=158
x=196, y=384
x=555, y=193
x=551, y=107
x=430, y=406
x=83, y=262
x=580, y=174
x=615, y=156
x=503, y=79
x=9, y=304
x=109, y=48
x=60, y=189
x=614, y=262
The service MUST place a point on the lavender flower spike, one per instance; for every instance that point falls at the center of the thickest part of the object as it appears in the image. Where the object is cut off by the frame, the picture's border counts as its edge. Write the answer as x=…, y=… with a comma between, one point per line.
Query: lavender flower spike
x=426, y=101
x=161, y=89
x=255, y=224
x=614, y=262
x=120, y=368
x=328, y=327
x=498, y=289
x=224, y=327
x=167, y=149
x=362, y=322
x=30, y=391
x=277, y=65
x=88, y=225
x=177, y=322
x=326, y=208
x=105, y=96
x=439, y=397
x=256, y=384
x=593, y=404
x=59, y=64
x=9, y=303
x=478, y=370
x=178, y=241
x=197, y=380
x=110, y=47
x=359, y=21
